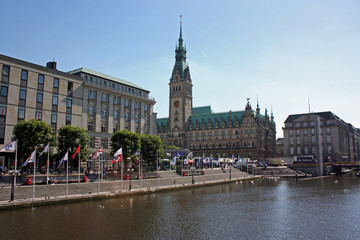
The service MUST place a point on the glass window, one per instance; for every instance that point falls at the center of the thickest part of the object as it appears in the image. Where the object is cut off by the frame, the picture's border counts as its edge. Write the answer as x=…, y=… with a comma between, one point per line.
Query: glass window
x=290, y=132
x=90, y=125
x=91, y=94
x=55, y=100
x=115, y=114
x=53, y=117
x=22, y=94
x=104, y=97
x=38, y=115
x=103, y=127
x=116, y=100
x=24, y=75
x=39, y=97
x=291, y=150
x=312, y=131
x=329, y=149
x=56, y=82
x=68, y=119
x=91, y=142
x=6, y=70
x=2, y=110
x=137, y=118
x=291, y=141
x=91, y=110
x=305, y=132
x=126, y=116
x=328, y=139
x=103, y=112
x=70, y=86
x=103, y=143
x=21, y=113
x=68, y=102
x=4, y=90
x=127, y=103
x=328, y=130
x=313, y=150
x=41, y=79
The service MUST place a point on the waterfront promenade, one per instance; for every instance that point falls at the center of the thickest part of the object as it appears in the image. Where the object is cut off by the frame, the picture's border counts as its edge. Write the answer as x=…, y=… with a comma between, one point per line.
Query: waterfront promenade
x=56, y=193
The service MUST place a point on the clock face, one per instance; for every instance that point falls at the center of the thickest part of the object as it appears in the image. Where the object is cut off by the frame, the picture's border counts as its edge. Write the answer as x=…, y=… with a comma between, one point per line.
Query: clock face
x=176, y=103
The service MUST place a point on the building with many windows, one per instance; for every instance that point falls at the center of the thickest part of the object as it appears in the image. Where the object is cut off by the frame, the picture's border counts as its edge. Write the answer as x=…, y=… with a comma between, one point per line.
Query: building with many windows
x=111, y=104
x=339, y=141
x=29, y=91
x=99, y=103
x=244, y=133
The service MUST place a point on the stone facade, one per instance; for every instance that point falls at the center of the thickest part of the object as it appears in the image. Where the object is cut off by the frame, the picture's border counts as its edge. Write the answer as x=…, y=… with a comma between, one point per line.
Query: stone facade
x=111, y=104
x=99, y=103
x=340, y=141
x=235, y=133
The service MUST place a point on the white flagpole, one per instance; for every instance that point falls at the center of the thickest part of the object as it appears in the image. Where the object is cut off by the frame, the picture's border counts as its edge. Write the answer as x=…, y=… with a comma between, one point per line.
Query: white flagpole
x=13, y=189
x=34, y=175
x=141, y=182
x=122, y=170
x=99, y=175
x=157, y=171
x=67, y=177
x=79, y=167
x=47, y=168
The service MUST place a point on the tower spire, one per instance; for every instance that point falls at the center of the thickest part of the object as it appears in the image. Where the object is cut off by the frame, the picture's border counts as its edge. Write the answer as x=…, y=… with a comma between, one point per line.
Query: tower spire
x=257, y=106
x=181, y=53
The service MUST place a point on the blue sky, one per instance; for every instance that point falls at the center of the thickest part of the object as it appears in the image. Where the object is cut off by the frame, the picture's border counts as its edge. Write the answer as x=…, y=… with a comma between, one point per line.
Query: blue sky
x=285, y=52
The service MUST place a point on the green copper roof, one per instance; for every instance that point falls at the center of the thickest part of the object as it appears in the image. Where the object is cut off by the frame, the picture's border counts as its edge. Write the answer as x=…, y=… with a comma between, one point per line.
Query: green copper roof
x=213, y=117
x=162, y=122
x=202, y=110
x=105, y=76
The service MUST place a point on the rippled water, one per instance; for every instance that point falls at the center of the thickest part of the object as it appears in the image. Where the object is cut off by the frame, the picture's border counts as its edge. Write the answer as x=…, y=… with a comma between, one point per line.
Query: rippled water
x=326, y=208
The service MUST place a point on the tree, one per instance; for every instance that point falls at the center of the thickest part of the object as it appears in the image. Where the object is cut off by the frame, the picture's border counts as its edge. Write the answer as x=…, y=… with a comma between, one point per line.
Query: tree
x=150, y=145
x=128, y=141
x=69, y=138
x=30, y=134
x=172, y=147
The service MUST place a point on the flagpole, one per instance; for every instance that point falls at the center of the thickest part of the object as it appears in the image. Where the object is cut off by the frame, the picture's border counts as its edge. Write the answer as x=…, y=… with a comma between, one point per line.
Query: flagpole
x=122, y=168
x=47, y=168
x=79, y=167
x=99, y=175
x=67, y=177
x=157, y=171
x=13, y=187
x=141, y=182
x=34, y=175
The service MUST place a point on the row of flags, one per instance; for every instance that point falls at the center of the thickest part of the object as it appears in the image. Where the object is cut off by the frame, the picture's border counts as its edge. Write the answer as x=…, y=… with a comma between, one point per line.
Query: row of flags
x=118, y=156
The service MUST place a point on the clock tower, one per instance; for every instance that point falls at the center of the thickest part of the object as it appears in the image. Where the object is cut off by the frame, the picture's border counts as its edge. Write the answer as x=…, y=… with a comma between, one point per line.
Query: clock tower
x=180, y=95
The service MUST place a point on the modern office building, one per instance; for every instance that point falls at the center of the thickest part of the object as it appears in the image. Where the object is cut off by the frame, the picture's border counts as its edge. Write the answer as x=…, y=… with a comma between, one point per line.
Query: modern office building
x=29, y=91
x=111, y=104
x=99, y=103
x=244, y=133
x=339, y=141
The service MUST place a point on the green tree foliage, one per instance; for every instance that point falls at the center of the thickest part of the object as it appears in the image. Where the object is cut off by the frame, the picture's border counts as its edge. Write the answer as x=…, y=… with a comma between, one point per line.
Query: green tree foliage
x=150, y=144
x=172, y=147
x=128, y=141
x=30, y=134
x=69, y=138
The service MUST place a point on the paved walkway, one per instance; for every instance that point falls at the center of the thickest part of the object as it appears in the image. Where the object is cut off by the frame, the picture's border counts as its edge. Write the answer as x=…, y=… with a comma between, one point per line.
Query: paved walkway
x=46, y=194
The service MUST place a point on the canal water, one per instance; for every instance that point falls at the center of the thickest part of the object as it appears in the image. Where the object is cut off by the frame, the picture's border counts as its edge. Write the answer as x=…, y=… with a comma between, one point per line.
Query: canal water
x=327, y=208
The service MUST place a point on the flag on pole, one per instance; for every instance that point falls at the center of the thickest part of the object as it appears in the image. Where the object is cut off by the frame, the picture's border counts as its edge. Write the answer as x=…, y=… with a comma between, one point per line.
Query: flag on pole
x=46, y=149
x=137, y=152
x=179, y=154
x=30, y=159
x=98, y=153
x=11, y=146
x=77, y=151
x=65, y=158
x=139, y=161
x=168, y=154
x=117, y=156
x=190, y=155
x=173, y=161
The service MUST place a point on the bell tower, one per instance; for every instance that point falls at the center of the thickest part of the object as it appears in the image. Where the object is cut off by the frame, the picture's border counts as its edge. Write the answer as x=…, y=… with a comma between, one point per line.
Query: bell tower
x=180, y=93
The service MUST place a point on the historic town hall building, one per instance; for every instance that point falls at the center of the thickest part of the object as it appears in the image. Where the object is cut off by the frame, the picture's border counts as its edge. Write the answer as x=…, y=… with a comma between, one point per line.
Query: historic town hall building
x=239, y=133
